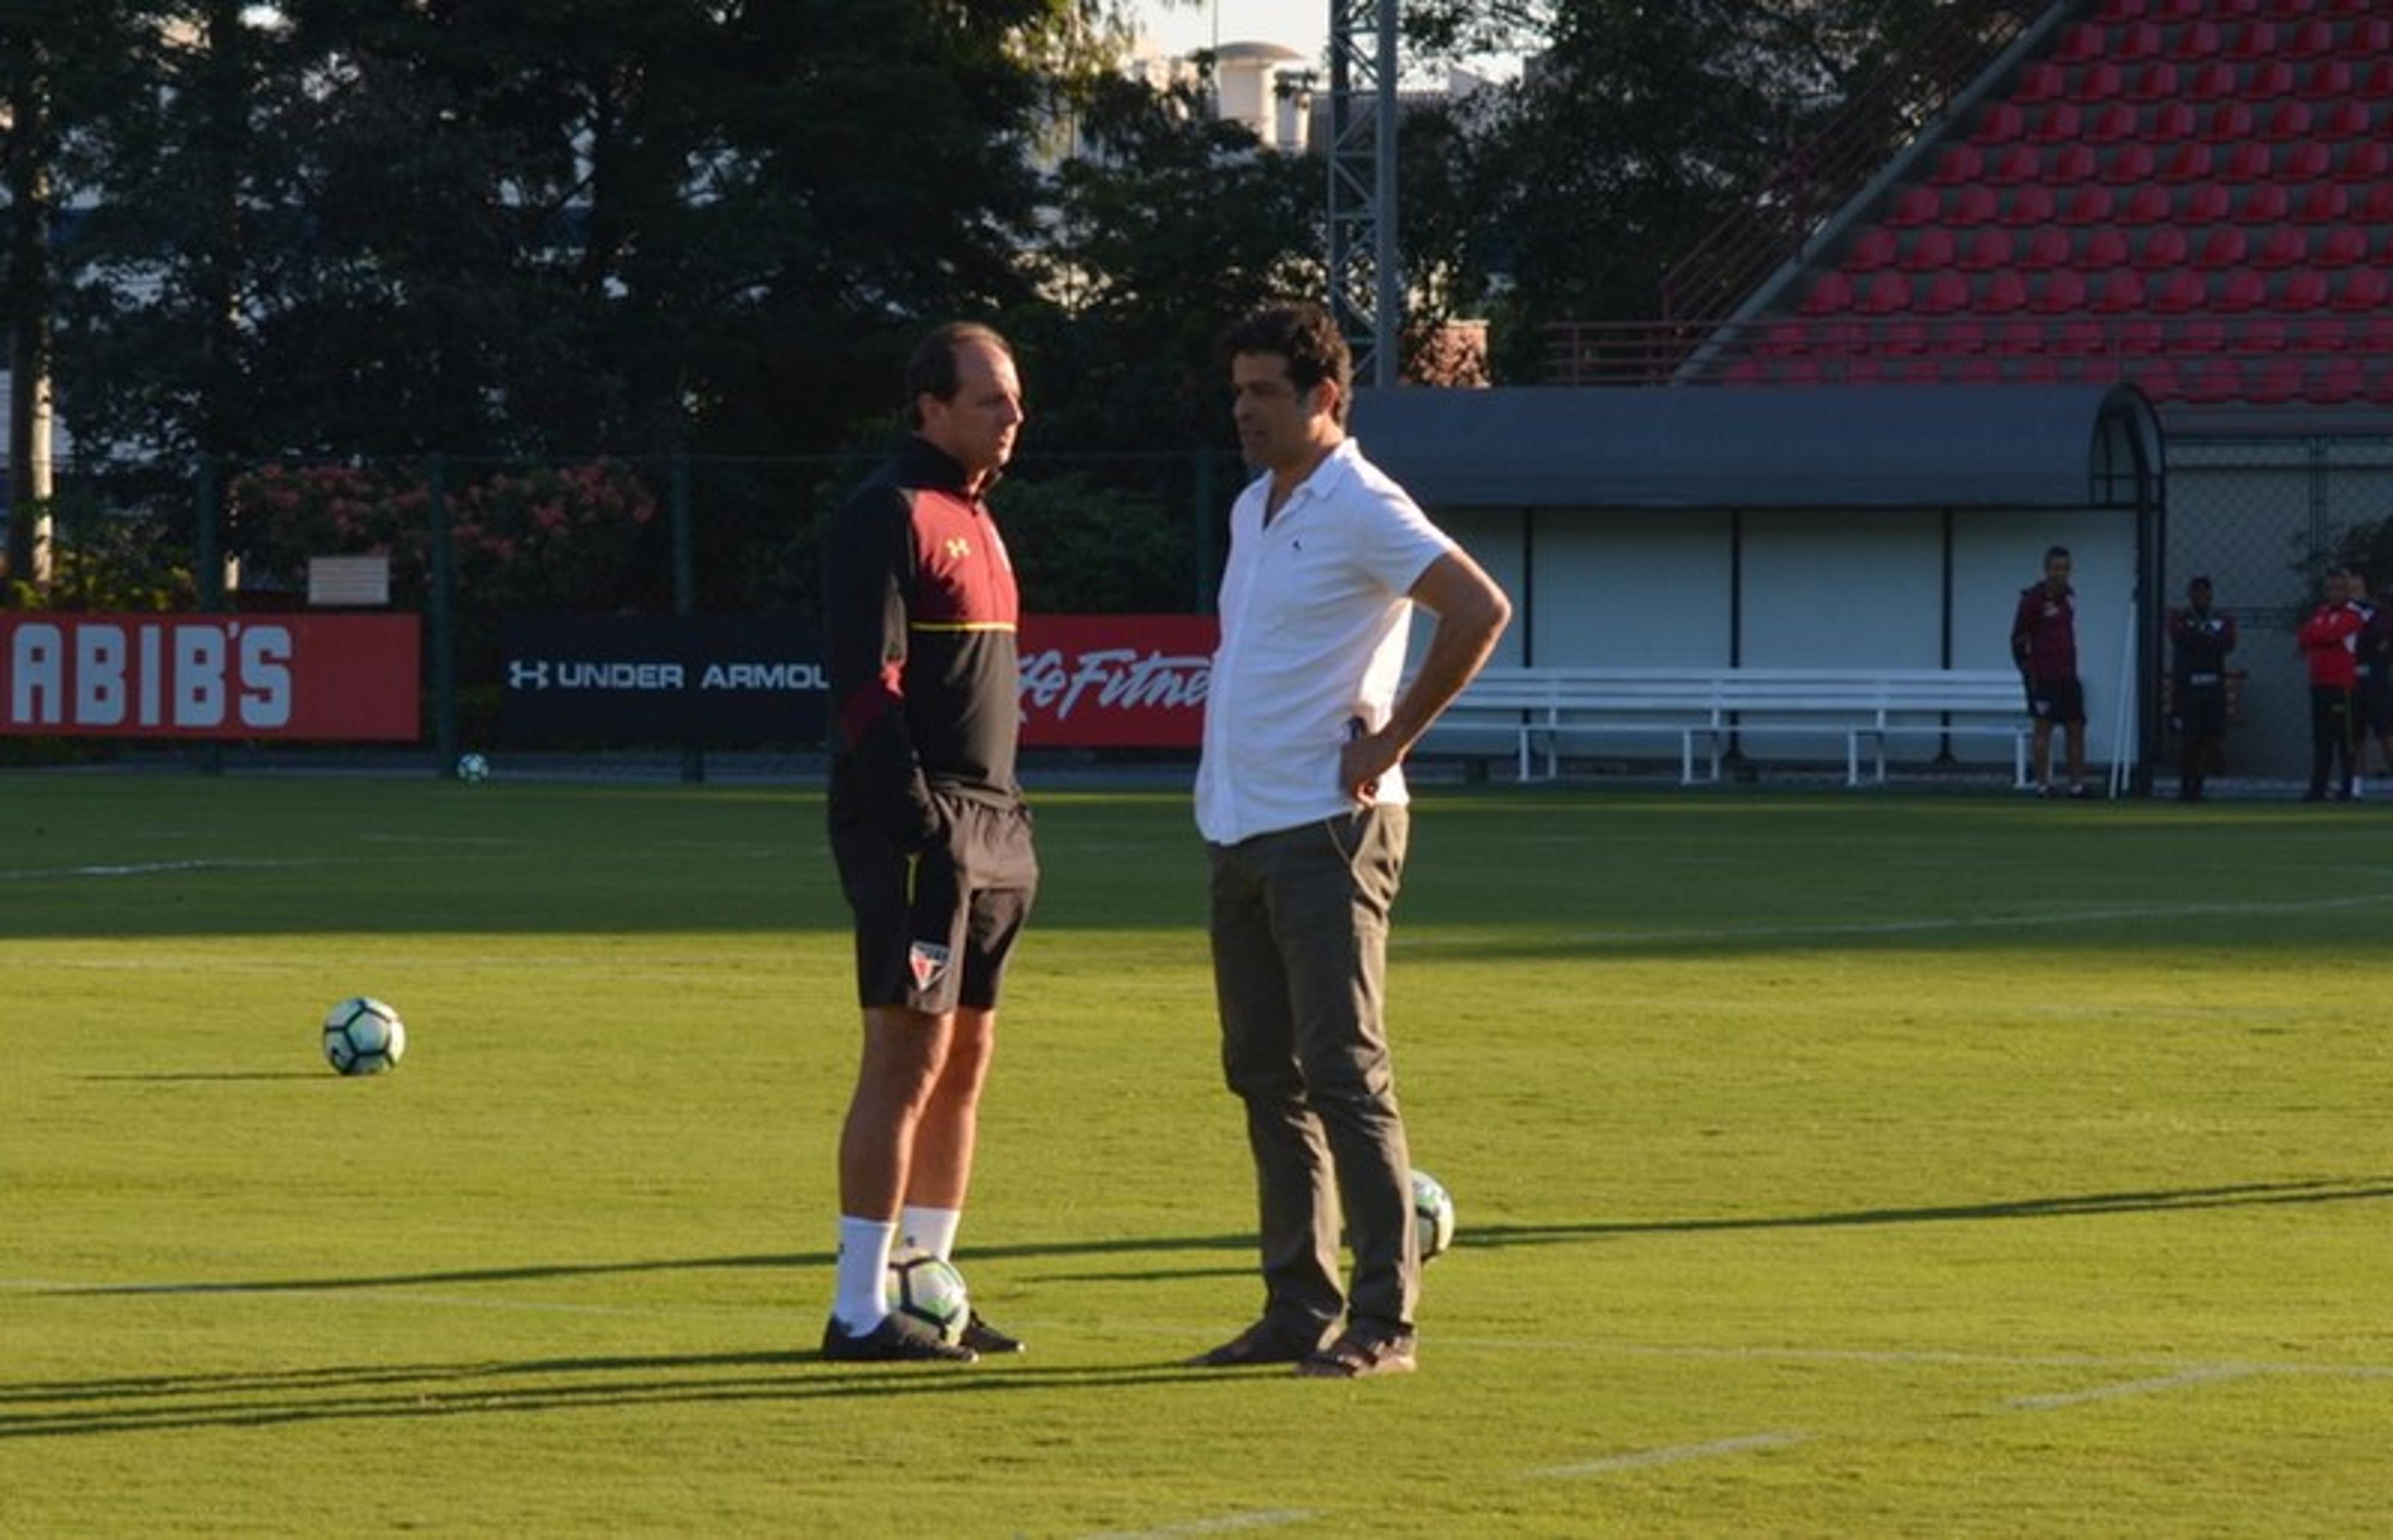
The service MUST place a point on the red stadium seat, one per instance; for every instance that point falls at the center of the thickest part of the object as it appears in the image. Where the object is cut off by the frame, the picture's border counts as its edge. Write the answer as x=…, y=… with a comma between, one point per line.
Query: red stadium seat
x=2042, y=80
x=1874, y=249
x=2271, y=77
x=2055, y=122
x=1915, y=205
x=2371, y=35
x=2002, y=123
x=2264, y=203
x=2305, y=161
x=2228, y=121
x=2252, y=41
x=1928, y=250
x=2197, y=336
x=2176, y=10
x=2282, y=247
x=2376, y=202
x=2206, y=202
x=2285, y=121
x=2305, y=288
x=2118, y=292
x=2088, y=204
x=2186, y=160
x=2071, y=164
x=2341, y=246
x=2013, y=164
x=2171, y=120
x=2148, y=204
x=2362, y=289
x=1830, y=293
x=2032, y=205
x=1944, y=294
x=2163, y=246
x=2175, y=293
x=1986, y=249
x=2208, y=380
x=2133, y=162
x=1901, y=336
x=2370, y=161
x=1883, y=294
x=2328, y=78
x=1975, y=204
x=2024, y=334
x=2320, y=335
x=2334, y=380
x=2260, y=334
x=2343, y=119
x=2212, y=80
x=2273, y=381
x=2246, y=162
x=2082, y=43
x=1978, y=371
x=2197, y=40
x=2105, y=246
x=2241, y=290
x=2309, y=38
x=2101, y=81
x=2110, y=123
x=2137, y=335
x=2375, y=334
x=2157, y=81
x=2005, y=292
x=2063, y=292
x=2048, y=247
x=1960, y=163
x=2136, y=41
x=1960, y=334
x=2224, y=246
x=2126, y=10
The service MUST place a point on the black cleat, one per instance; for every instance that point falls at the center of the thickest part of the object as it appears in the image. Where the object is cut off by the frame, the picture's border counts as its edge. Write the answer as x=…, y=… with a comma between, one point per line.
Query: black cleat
x=982, y=1338
x=889, y=1343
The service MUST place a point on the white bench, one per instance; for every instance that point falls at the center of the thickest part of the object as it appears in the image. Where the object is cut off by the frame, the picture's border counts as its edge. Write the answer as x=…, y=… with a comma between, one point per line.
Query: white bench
x=1534, y=715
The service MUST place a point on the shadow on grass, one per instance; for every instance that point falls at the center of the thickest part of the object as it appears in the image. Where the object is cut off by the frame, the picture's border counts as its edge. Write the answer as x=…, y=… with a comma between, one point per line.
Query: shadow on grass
x=337, y=1393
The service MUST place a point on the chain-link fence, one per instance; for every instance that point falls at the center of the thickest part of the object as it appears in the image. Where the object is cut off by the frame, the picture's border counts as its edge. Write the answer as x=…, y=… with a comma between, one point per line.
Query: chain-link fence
x=2263, y=518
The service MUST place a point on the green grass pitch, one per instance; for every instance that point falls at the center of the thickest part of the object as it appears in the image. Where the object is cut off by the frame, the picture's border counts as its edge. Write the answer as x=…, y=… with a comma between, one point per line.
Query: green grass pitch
x=1827, y=1163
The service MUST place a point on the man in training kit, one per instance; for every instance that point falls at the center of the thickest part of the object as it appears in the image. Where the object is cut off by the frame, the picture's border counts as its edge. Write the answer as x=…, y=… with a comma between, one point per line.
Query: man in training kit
x=2330, y=646
x=2200, y=640
x=927, y=824
x=1301, y=799
x=2043, y=640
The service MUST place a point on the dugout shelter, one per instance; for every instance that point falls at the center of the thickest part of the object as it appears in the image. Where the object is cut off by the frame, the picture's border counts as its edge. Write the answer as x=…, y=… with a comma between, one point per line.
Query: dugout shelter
x=1851, y=528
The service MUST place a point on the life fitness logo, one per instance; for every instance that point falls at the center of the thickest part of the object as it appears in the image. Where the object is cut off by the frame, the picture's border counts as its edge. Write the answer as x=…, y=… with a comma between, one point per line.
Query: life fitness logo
x=1116, y=681
x=282, y=676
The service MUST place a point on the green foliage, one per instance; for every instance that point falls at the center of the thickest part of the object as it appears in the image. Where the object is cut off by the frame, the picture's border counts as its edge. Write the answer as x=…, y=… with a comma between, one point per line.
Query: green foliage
x=1084, y=547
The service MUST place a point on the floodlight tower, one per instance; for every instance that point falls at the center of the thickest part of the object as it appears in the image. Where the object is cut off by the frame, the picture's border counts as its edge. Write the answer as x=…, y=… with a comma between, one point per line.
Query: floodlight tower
x=1365, y=278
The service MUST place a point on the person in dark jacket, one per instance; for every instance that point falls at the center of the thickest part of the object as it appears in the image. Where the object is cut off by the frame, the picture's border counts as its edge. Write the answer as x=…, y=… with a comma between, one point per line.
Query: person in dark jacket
x=2200, y=639
x=2044, y=641
x=927, y=823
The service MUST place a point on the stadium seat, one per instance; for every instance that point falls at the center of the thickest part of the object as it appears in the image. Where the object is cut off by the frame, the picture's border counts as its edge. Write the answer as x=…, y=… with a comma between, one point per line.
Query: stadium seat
x=2175, y=10
x=2013, y=163
x=2154, y=377
x=2327, y=78
x=2002, y=124
x=1927, y=250
x=2177, y=293
x=1978, y=371
x=1876, y=248
x=2197, y=40
x=2088, y=204
x=2260, y=334
x=2023, y=334
x=2198, y=335
x=2282, y=247
x=1900, y=337
x=2285, y=121
x=2362, y=289
x=1883, y=294
x=2137, y=336
x=2042, y=80
x=2334, y=380
x=2241, y=290
x=2372, y=35
x=2305, y=160
x=2137, y=39
x=2186, y=160
x=2272, y=381
x=2305, y=288
x=1943, y=294
x=2208, y=380
x=2148, y=204
x=1987, y=248
x=2104, y=246
x=2126, y=10
x=2270, y=77
x=2340, y=246
x=2308, y=38
x=2206, y=202
x=1915, y=205
x=2110, y=123
x=2320, y=335
x=2342, y=118
x=2082, y=43
x=2156, y=81
x=2048, y=247
x=1960, y=334
x=2376, y=202
x=1830, y=293
x=1959, y=163
x=2100, y=80
x=2133, y=162
x=2222, y=246
x=2171, y=121
x=2118, y=292
x=2251, y=42
x=2228, y=121
x=2063, y=292
x=2264, y=203
x=2071, y=165
x=2032, y=205
x=2165, y=246
x=2370, y=161
x=2005, y=291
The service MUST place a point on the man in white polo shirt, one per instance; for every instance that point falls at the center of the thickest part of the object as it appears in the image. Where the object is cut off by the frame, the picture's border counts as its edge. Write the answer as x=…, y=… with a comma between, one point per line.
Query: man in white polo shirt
x=1301, y=799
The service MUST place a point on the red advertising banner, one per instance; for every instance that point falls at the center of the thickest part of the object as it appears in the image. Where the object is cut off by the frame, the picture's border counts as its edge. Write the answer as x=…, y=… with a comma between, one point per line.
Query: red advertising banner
x=1116, y=681
x=344, y=677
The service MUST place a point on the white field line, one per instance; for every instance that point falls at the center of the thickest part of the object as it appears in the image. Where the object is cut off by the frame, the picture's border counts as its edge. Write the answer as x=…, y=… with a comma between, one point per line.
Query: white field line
x=2042, y=919
x=1646, y=1458
x=2210, y=1376
x=1228, y=1523
x=150, y=869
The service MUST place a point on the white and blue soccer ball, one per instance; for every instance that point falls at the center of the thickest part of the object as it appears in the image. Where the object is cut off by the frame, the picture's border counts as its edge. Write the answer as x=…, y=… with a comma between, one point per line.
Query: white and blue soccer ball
x=362, y=1035
x=1433, y=1215
x=926, y=1293
x=473, y=767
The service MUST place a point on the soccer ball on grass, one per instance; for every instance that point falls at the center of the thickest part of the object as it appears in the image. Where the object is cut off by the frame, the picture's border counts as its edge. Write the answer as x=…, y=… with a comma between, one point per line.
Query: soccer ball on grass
x=926, y=1293
x=1433, y=1215
x=362, y=1035
x=473, y=767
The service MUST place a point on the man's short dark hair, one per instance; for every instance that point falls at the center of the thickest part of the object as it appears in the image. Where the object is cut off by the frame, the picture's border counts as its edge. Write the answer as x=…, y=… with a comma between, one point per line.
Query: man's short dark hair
x=932, y=370
x=1306, y=336
x=2052, y=551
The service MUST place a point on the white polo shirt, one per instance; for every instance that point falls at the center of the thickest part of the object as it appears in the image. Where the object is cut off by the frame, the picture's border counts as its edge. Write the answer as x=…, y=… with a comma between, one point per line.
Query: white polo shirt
x=1313, y=626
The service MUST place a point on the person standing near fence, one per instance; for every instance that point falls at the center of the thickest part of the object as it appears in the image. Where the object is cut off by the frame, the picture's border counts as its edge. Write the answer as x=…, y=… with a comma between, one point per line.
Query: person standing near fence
x=2200, y=639
x=2330, y=644
x=927, y=823
x=1301, y=803
x=2372, y=698
x=2044, y=641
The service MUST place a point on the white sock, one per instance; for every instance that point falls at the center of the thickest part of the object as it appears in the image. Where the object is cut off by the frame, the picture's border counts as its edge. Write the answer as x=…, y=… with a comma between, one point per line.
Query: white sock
x=863, y=1263
x=931, y=1228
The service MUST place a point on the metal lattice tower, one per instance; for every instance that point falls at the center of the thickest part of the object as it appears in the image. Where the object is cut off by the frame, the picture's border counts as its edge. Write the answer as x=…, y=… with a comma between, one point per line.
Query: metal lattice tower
x=1365, y=278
